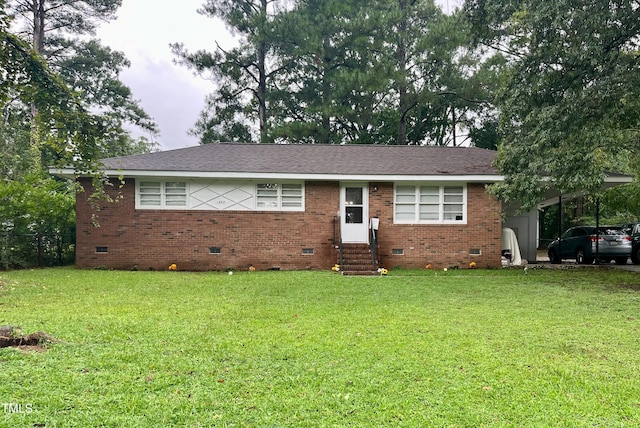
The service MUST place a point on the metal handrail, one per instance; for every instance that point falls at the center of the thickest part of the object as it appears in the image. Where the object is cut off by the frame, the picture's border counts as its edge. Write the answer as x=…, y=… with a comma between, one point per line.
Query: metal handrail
x=373, y=246
x=336, y=234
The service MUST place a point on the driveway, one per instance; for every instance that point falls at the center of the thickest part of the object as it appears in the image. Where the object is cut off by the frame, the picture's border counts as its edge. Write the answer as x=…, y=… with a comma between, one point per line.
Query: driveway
x=543, y=260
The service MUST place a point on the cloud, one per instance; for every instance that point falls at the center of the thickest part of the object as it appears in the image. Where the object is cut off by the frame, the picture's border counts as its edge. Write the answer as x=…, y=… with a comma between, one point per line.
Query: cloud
x=170, y=93
x=172, y=96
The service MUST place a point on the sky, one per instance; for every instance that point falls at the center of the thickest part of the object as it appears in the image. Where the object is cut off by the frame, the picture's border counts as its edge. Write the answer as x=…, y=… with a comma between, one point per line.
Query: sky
x=168, y=92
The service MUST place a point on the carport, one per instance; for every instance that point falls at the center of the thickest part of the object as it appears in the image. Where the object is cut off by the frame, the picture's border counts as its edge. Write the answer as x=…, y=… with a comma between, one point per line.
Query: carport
x=526, y=224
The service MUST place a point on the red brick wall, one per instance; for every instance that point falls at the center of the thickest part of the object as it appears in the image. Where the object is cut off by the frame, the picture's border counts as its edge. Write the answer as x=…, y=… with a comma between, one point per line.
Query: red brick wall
x=154, y=239
x=439, y=245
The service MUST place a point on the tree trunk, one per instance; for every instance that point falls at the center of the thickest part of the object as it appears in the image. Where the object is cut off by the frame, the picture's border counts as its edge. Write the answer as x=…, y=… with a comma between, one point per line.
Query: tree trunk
x=37, y=7
x=38, y=10
x=262, y=81
x=402, y=82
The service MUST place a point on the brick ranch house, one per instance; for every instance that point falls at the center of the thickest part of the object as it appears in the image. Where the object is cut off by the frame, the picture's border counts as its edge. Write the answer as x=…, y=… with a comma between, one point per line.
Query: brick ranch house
x=220, y=206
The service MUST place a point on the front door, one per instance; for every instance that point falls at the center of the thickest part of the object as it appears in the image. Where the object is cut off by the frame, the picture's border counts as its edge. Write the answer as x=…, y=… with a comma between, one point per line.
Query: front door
x=354, y=212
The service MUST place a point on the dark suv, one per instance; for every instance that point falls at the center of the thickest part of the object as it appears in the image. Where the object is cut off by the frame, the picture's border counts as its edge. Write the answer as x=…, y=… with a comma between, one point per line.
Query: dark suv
x=582, y=242
x=634, y=232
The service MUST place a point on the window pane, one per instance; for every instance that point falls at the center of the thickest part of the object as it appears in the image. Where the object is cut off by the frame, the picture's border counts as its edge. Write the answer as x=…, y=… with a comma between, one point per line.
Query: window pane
x=150, y=194
x=404, y=199
x=429, y=199
x=403, y=190
x=150, y=200
x=429, y=190
x=288, y=202
x=353, y=195
x=354, y=215
x=149, y=187
x=453, y=198
x=405, y=216
x=291, y=195
x=453, y=212
x=453, y=194
x=267, y=195
x=429, y=212
x=292, y=189
x=175, y=194
x=175, y=186
x=405, y=212
x=176, y=200
x=267, y=202
x=267, y=186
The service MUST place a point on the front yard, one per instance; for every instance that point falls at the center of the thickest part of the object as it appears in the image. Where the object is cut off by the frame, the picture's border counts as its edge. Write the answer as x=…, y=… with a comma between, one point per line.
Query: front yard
x=457, y=349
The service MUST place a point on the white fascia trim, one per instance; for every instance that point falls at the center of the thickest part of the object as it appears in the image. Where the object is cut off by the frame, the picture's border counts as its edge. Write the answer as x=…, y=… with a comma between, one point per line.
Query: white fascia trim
x=71, y=174
x=63, y=172
x=622, y=179
x=308, y=177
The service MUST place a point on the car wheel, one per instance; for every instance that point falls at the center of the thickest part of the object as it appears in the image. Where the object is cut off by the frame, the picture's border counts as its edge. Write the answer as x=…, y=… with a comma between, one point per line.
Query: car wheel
x=621, y=260
x=553, y=257
x=581, y=258
x=635, y=255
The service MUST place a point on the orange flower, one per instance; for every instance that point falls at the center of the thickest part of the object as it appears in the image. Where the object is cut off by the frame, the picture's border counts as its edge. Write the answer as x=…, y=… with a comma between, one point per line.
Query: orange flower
x=173, y=266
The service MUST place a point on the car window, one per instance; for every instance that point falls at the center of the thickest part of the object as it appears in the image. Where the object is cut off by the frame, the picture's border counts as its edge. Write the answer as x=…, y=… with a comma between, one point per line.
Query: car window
x=611, y=231
x=579, y=232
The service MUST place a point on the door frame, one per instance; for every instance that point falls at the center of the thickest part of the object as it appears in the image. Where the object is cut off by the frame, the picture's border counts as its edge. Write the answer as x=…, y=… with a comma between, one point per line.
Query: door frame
x=354, y=232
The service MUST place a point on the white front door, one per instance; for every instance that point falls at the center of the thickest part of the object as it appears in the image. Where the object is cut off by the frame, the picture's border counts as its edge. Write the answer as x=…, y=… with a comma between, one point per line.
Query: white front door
x=354, y=212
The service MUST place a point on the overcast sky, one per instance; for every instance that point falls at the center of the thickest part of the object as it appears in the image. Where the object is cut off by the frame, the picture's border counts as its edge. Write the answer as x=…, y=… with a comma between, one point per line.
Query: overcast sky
x=170, y=93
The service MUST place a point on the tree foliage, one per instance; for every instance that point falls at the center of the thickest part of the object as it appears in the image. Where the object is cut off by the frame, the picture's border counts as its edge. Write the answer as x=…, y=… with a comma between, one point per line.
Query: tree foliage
x=570, y=104
x=58, y=33
x=62, y=103
x=241, y=74
x=36, y=216
x=328, y=71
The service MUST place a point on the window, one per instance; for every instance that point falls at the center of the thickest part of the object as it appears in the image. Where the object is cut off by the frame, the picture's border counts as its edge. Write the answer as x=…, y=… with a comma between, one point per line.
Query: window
x=157, y=194
x=215, y=250
x=278, y=196
x=430, y=204
x=219, y=194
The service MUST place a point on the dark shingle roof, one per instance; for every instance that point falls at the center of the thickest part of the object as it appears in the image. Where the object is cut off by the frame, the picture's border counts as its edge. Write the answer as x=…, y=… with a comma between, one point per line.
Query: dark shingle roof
x=355, y=159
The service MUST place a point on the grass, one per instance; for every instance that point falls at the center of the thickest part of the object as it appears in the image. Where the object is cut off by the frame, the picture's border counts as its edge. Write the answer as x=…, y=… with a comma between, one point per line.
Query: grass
x=315, y=349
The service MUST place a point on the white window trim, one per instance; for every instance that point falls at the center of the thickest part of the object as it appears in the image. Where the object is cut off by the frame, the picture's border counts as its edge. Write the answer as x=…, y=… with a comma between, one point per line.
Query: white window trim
x=252, y=202
x=279, y=196
x=163, y=194
x=416, y=203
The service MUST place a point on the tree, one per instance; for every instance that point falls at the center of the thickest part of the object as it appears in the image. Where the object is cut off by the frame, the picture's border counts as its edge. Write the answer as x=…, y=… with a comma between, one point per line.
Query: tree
x=332, y=78
x=37, y=216
x=241, y=74
x=329, y=71
x=570, y=104
x=30, y=82
x=65, y=131
x=59, y=31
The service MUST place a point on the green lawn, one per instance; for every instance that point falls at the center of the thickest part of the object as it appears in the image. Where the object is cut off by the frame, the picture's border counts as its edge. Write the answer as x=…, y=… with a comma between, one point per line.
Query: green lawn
x=315, y=349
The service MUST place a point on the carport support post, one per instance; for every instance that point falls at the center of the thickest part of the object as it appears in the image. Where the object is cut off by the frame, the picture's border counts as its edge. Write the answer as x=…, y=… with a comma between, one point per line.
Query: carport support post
x=560, y=227
x=598, y=230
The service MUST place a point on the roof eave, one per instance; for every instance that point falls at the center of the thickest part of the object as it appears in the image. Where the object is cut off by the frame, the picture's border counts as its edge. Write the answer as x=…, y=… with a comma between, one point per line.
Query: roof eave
x=482, y=178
